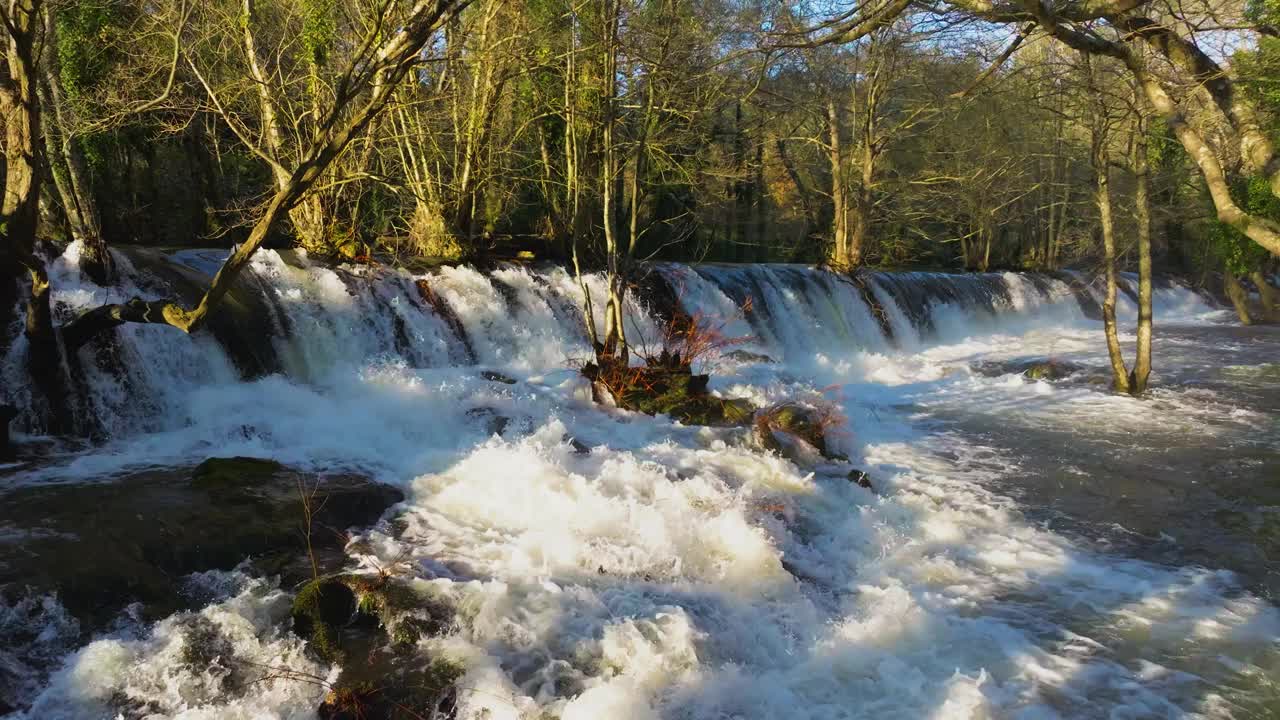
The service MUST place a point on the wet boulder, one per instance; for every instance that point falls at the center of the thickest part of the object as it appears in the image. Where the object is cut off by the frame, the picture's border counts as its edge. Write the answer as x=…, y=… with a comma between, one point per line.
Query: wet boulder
x=746, y=356
x=1050, y=369
x=861, y=479
x=7, y=414
x=370, y=624
x=795, y=431
x=497, y=377
x=489, y=419
x=132, y=538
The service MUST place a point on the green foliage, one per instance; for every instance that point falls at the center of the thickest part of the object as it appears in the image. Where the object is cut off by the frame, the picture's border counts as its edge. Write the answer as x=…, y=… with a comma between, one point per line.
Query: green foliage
x=1240, y=254
x=1259, y=72
x=1263, y=12
x=318, y=30
x=87, y=31
x=1259, y=68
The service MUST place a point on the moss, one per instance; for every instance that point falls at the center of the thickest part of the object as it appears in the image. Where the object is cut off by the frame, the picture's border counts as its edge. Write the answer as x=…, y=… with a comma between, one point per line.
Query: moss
x=234, y=471
x=324, y=607
x=320, y=611
x=1048, y=370
x=669, y=390
x=392, y=692
x=799, y=421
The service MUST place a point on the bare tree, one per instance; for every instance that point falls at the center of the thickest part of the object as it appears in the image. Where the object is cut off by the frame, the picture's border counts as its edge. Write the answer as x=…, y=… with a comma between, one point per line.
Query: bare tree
x=360, y=93
x=1116, y=29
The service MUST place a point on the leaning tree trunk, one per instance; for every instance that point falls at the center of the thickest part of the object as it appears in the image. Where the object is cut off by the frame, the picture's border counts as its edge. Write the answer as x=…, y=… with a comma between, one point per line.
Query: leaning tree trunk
x=380, y=70
x=19, y=211
x=1142, y=213
x=1239, y=299
x=1267, y=295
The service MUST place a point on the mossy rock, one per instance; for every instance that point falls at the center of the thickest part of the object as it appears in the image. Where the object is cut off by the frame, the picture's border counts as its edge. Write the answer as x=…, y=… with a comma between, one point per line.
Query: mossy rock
x=103, y=545
x=672, y=390
x=338, y=612
x=234, y=472
x=321, y=610
x=795, y=420
x=399, y=689
x=1048, y=369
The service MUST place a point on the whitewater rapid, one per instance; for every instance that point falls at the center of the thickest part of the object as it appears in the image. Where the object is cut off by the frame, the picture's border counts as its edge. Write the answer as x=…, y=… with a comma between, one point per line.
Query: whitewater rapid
x=671, y=571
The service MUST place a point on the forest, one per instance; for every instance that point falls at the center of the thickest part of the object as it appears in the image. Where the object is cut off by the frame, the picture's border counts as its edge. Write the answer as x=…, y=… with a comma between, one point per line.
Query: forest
x=576, y=359
x=963, y=137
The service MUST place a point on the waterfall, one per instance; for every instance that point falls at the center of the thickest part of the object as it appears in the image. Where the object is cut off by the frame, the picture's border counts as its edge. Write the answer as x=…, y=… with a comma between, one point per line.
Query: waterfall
x=605, y=563
x=314, y=322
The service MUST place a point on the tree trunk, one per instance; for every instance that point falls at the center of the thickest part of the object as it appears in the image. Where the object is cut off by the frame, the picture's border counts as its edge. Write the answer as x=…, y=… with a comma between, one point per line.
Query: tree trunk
x=378, y=72
x=19, y=212
x=1142, y=214
x=806, y=194
x=1119, y=373
x=615, y=342
x=1266, y=294
x=862, y=207
x=1238, y=297
x=839, y=256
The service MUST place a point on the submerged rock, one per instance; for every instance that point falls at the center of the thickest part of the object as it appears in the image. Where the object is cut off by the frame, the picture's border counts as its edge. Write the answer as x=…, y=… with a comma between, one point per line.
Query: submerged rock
x=371, y=624
x=746, y=356
x=861, y=479
x=103, y=545
x=497, y=377
x=395, y=690
x=338, y=613
x=1035, y=369
x=489, y=419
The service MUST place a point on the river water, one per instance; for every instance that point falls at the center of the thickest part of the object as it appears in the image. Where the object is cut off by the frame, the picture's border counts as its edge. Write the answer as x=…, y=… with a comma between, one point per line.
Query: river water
x=1031, y=549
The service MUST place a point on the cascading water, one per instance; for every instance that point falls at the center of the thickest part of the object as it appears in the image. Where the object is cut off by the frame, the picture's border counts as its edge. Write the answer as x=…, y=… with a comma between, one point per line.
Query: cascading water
x=680, y=572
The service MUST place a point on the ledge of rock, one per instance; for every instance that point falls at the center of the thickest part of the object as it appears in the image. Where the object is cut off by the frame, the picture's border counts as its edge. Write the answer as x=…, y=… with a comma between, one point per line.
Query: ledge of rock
x=106, y=544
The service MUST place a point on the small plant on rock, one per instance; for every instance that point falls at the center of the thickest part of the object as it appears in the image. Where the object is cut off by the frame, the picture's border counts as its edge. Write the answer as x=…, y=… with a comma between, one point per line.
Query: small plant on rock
x=665, y=383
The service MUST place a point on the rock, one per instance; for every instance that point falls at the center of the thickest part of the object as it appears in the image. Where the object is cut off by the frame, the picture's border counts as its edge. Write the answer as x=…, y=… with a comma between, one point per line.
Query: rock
x=103, y=545
x=489, y=419
x=1035, y=369
x=792, y=447
x=226, y=473
x=747, y=356
x=795, y=431
x=338, y=612
x=1049, y=370
x=666, y=388
x=497, y=377
x=377, y=620
x=7, y=414
x=207, y=650
x=397, y=689
x=861, y=479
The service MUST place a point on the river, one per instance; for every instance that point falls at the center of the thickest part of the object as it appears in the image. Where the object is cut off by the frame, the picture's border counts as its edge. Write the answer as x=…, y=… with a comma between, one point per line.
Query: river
x=1030, y=548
